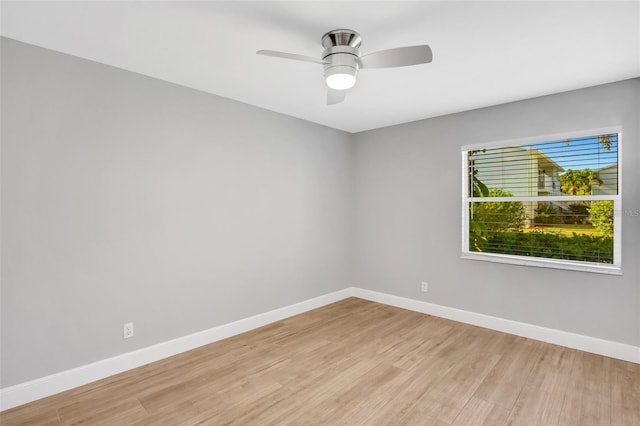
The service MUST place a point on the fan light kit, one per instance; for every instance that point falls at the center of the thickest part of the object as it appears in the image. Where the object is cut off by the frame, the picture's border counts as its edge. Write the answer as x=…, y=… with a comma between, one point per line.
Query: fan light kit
x=341, y=60
x=340, y=79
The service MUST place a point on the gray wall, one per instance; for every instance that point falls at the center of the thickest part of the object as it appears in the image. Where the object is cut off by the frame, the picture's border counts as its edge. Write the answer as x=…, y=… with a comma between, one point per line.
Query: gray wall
x=407, y=208
x=125, y=198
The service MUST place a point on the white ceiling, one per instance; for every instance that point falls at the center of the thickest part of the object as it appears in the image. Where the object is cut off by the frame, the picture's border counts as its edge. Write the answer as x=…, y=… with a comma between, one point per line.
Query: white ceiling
x=485, y=53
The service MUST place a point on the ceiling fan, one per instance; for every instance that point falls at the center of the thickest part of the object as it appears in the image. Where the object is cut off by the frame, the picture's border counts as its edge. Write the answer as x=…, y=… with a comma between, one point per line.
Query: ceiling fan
x=341, y=60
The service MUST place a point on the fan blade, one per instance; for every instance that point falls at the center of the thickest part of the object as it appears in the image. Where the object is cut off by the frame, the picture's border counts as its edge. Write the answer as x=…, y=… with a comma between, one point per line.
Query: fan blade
x=290, y=56
x=335, y=96
x=398, y=57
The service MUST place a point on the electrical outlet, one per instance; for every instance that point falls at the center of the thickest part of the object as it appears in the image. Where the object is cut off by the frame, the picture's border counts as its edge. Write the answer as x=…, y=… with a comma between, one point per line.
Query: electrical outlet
x=127, y=330
x=425, y=286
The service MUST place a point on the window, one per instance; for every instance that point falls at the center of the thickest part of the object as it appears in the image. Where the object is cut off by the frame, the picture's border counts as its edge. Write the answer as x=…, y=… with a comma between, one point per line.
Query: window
x=547, y=202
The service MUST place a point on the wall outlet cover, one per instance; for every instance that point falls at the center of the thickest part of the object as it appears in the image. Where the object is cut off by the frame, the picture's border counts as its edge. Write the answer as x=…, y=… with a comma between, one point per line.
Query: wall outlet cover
x=127, y=330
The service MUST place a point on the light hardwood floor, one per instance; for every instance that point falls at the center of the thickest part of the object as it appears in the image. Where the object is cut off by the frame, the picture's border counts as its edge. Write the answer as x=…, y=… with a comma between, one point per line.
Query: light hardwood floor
x=358, y=362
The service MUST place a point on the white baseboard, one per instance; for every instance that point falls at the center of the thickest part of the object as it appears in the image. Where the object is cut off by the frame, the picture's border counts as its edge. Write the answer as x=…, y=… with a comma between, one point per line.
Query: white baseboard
x=46, y=386
x=563, y=338
x=30, y=391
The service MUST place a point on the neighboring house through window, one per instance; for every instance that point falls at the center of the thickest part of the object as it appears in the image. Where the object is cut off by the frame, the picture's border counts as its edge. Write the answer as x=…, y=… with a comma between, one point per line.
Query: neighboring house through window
x=544, y=202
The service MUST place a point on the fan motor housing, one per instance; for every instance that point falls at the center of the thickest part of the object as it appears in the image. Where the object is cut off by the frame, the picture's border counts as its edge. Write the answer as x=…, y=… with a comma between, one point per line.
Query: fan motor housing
x=341, y=52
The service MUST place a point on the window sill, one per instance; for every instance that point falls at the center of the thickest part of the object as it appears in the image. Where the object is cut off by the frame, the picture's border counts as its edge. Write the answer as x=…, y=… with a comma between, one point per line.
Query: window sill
x=597, y=268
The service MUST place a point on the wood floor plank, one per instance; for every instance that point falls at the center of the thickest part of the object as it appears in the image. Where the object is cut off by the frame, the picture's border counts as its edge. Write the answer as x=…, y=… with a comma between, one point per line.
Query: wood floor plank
x=625, y=394
x=446, y=399
x=504, y=382
x=402, y=406
x=20, y=416
x=357, y=362
x=367, y=394
x=541, y=397
x=480, y=413
x=92, y=412
x=589, y=400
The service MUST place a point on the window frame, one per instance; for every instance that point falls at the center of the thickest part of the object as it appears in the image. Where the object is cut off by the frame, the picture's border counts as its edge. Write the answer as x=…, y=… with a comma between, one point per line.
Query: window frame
x=615, y=268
